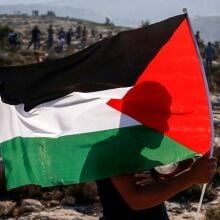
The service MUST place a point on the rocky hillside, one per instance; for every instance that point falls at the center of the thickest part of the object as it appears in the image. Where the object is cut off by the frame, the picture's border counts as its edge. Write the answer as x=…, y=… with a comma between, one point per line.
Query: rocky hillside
x=208, y=26
x=23, y=24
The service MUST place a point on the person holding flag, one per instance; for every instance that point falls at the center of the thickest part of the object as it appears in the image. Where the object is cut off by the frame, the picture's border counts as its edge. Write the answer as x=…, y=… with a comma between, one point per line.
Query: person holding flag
x=142, y=197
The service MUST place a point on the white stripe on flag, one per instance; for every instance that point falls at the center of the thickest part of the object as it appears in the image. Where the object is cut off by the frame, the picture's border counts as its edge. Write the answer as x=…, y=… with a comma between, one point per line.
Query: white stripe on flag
x=72, y=114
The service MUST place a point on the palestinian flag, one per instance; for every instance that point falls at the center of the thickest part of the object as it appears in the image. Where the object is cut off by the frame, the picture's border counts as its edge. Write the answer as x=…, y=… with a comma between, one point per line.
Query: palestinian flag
x=125, y=104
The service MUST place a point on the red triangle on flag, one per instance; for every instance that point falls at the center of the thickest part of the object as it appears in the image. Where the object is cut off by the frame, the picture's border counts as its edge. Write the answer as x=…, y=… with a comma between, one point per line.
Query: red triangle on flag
x=170, y=95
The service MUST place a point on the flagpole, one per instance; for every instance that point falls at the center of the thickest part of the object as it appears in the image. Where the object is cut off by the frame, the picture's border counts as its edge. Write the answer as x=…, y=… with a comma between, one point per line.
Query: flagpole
x=210, y=110
x=200, y=201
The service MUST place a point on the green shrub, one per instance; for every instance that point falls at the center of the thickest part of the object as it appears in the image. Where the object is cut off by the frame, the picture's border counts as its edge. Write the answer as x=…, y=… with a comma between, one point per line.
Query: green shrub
x=4, y=31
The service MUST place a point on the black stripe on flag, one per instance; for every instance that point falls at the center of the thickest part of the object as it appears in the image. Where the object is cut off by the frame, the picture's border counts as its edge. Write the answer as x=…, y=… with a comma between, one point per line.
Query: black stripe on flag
x=110, y=63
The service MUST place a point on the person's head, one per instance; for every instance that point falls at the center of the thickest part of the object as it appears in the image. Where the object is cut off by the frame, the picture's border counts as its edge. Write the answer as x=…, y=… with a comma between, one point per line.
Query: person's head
x=209, y=44
x=38, y=56
x=147, y=102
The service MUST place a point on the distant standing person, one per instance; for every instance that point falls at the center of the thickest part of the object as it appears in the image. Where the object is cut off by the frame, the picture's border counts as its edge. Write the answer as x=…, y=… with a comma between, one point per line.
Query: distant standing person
x=209, y=57
x=35, y=38
x=78, y=32
x=84, y=37
x=61, y=38
x=93, y=33
x=12, y=39
x=69, y=35
x=100, y=36
x=37, y=57
x=197, y=36
x=50, y=32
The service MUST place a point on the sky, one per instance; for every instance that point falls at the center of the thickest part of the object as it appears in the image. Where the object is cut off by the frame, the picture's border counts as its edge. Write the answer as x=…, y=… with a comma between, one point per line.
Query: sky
x=133, y=11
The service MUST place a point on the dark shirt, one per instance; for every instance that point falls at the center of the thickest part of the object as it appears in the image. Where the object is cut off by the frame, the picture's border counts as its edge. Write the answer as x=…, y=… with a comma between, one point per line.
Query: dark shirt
x=50, y=33
x=35, y=34
x=114, y=207
x=209, y=53
x=61, y=34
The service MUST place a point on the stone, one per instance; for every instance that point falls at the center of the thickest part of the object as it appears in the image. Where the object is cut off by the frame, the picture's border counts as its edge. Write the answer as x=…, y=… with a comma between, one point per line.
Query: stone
x=31, y=205
x=16, y=211
x=57, y=195
x=61, y=214
x=54, y=203
x=69, y=201
x=6, y=207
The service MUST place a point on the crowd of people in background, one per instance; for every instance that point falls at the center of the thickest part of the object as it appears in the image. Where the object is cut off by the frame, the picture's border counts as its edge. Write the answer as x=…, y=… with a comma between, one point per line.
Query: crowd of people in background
x=62, y=39
x=58, y=39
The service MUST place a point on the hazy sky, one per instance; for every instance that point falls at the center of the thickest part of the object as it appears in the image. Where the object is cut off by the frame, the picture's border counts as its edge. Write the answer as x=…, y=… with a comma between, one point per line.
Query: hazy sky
x=153, y=10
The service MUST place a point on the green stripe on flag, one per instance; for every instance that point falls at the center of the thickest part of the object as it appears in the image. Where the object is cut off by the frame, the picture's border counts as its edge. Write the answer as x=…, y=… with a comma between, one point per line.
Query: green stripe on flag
x=87, y=157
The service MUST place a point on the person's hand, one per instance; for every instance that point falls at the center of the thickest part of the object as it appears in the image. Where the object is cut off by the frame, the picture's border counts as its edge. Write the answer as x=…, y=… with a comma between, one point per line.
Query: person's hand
x=186, y=164
x=144, y=178
x=203, y=169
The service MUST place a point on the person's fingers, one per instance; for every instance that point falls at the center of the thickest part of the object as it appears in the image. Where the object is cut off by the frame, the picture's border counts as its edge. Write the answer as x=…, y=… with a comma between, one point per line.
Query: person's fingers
x=143, y=178
x=145, y=182
x=142, y=174
x=204, y=169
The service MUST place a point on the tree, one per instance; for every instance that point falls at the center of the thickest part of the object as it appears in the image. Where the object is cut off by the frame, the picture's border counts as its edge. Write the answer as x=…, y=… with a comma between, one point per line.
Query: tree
x=145, y=23
x=216, y=44
x=51, y=14
x=107, y=21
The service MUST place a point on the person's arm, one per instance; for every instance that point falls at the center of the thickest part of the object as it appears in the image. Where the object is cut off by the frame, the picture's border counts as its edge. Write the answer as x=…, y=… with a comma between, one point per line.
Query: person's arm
x=154, y=194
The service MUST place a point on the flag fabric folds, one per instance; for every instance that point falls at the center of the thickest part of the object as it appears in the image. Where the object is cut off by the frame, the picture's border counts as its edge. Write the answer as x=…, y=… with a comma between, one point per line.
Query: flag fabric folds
x=125, y=104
